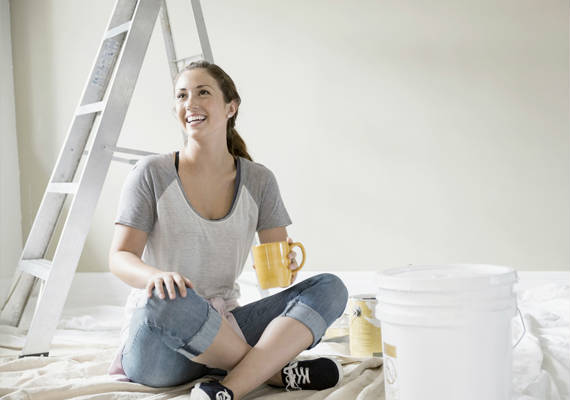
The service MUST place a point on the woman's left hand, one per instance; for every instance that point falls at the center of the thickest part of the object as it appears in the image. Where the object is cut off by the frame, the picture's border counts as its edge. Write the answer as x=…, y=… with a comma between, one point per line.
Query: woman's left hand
x=293, y=266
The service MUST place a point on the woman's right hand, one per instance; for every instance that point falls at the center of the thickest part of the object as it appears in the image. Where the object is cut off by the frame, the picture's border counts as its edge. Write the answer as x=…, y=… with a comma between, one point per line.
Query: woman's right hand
x=168, y=279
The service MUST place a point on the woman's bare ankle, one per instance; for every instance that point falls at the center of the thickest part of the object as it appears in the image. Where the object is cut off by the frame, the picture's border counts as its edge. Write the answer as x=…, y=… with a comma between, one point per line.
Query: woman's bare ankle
x=276, y=380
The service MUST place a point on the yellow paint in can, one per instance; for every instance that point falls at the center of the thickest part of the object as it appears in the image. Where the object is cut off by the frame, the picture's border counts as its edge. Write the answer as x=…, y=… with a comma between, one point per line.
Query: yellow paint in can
x=365, y=337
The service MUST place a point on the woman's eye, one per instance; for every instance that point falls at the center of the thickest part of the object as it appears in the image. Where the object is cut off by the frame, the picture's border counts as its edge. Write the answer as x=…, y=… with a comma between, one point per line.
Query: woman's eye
x=204, y=91
x=180, y=96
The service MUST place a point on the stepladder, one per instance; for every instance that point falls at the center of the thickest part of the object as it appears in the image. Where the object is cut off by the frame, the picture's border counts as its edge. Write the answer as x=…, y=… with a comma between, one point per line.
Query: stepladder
x=83, y=162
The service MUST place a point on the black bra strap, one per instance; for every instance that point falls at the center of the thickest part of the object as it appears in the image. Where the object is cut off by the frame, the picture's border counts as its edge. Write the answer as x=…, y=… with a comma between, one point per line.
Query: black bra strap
x=176, y=159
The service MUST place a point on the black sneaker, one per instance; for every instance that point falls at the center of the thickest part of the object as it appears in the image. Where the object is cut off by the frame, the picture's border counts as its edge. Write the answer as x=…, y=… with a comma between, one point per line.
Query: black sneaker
x=317, y=374
x=211, y=391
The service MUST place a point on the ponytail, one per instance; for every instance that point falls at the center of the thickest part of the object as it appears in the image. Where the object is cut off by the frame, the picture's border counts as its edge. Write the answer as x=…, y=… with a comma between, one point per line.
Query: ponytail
x=236, y=145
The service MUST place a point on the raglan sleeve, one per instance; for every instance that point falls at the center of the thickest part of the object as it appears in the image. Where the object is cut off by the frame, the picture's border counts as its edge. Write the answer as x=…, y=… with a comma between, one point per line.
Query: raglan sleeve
x=137, y=203
x=272, y=211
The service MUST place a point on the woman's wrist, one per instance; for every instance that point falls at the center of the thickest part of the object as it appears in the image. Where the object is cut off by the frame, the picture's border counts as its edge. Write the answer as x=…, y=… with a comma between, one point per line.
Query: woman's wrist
x=131, y=269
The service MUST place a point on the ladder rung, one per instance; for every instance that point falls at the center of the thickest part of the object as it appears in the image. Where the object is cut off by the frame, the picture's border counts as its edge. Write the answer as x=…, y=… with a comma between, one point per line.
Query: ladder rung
x=131, y=161
x=189, y=59
x=39, y=268
x=62, y=187
x=126, y=150
x=91, y=108
x=118, y=30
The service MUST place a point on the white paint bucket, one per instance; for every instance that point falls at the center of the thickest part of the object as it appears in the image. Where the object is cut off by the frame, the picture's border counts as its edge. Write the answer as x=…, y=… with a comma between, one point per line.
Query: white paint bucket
x=446, y=331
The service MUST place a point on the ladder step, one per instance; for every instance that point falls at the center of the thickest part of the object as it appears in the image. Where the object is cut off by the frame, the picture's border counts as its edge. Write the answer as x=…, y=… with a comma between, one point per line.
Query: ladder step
x=118, y=30
x=62, y=187
x=91, y=108
x=126, y=150
x=39, y=267
x=187, y=60
x=131, y=161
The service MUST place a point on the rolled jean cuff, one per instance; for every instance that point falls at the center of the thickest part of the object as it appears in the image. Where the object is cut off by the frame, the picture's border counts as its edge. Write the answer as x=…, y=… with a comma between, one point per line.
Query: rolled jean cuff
x=306, y=315
x=204, y=337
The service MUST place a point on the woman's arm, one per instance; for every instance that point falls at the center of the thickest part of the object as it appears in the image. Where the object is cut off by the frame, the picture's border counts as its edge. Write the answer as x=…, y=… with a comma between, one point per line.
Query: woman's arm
x=278, y=234
x=125, y=257
x=125, y=262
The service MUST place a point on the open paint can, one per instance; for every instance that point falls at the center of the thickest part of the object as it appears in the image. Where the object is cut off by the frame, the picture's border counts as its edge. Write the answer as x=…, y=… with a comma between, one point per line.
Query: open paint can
x=365, y=338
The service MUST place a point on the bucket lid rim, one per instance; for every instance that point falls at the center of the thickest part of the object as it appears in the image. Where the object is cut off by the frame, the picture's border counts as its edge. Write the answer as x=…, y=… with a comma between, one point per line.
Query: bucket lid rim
x=442, y=278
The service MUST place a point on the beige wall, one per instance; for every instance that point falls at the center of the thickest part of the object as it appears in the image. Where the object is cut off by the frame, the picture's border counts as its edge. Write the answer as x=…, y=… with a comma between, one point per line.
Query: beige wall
x=400, y=132
x=10, y=215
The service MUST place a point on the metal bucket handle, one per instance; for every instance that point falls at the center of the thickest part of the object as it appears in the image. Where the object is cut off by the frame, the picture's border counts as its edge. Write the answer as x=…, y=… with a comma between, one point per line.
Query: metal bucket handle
x=523, y=326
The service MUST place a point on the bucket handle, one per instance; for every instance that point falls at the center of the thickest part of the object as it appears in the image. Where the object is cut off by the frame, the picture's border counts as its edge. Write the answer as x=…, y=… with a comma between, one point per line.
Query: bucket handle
x=523, y=326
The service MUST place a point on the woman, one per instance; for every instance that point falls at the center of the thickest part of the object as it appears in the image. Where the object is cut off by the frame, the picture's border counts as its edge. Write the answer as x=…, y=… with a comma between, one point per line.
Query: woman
x=185, y=224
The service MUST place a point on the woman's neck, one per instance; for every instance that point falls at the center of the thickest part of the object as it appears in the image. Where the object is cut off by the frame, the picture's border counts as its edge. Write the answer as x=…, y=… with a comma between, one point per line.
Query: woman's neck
x=203, y=159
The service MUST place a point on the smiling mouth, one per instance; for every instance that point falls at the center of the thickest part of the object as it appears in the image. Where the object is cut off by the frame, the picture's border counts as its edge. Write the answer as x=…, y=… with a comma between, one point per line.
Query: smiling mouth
x=193, y=121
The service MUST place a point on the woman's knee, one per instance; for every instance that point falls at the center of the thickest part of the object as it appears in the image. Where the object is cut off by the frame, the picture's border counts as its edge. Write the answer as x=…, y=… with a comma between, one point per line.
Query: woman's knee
x=187, y=325
x=335, y=292
x=320, y=304
x=171, y=312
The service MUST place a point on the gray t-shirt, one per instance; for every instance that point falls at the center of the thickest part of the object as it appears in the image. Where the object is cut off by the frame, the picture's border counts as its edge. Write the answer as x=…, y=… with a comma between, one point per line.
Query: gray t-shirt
x=211, y=253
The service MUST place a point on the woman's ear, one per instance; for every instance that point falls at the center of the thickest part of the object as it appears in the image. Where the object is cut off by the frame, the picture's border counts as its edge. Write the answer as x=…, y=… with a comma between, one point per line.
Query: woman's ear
x=232, y=109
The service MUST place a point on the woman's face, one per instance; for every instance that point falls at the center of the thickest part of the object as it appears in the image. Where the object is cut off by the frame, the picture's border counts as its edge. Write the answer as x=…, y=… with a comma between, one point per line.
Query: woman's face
x=200, y=105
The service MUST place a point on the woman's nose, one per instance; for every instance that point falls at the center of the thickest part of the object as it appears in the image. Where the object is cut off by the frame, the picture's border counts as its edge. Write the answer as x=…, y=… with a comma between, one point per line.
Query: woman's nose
x=189, y=102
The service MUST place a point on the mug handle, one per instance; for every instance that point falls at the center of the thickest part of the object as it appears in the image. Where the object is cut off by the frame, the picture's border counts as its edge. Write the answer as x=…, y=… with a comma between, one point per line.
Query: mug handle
x=298, y=244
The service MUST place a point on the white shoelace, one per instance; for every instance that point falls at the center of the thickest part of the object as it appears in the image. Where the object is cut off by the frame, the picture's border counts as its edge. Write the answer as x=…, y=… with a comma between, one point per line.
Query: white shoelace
x=223, y=395
x=294, y=375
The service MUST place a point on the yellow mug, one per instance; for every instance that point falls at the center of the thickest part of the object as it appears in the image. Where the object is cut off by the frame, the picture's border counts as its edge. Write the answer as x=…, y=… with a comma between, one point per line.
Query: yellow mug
x=272, y=263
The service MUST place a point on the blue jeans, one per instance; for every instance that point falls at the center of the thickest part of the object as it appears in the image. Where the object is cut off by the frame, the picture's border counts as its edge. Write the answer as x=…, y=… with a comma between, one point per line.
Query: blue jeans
x=165, y=334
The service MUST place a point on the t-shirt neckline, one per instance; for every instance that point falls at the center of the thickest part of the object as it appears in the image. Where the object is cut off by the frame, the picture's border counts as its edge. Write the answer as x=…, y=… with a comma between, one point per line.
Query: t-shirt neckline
x=237, y=186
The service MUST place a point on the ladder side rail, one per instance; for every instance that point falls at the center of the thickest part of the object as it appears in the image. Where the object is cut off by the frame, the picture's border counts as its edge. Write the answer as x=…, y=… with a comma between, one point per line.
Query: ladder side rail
x=18, y=297
x=170, y=50
x=168, y=41
x=202, y=32
x=51, y=204
x=122, y=12
x=68, y=252
x=43, y=226
x=35, y=248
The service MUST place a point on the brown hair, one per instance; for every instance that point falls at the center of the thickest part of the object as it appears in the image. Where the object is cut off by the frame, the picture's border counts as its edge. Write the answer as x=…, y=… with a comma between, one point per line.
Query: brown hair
x=236, y=145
